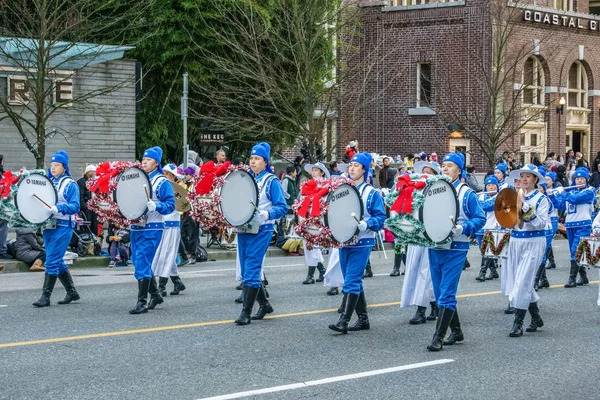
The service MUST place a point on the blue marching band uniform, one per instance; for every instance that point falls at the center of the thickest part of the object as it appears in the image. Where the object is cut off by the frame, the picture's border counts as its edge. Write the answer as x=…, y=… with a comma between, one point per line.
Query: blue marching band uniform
x=57, y=239
x=486, y=201
x=145, y=237
x=354, y=258
x=253, y=247
x=447, y=264
x=579, y=204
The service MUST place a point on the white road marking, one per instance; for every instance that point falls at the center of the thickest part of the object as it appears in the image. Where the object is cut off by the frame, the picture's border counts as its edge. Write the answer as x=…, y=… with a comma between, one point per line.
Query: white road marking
x=233, y=269
x=3, y=305
x=301, y=385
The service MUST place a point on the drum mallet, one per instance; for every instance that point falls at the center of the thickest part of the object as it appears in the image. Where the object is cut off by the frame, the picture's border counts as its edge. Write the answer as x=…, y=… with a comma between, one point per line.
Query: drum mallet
x=254, y=205
x=453, y=223
x=146, y=190
x=356, y=219
x=46, y=204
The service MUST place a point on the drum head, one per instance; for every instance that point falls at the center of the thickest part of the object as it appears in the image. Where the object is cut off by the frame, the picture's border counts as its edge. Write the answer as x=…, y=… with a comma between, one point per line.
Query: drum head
x=31, y=209
x=236, y=193
x=440, y=204
x=344, y=201
x=130, y=194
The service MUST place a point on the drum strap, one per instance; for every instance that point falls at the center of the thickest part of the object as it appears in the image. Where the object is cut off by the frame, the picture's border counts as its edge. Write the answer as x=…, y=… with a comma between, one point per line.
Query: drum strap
x=264, y=184
x=63, y=182
x=155, y=182
x=465, y=204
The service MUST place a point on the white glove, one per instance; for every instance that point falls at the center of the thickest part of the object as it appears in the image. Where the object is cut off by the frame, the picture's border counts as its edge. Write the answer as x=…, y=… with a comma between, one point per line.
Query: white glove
x=54, y=210
x=151, y=206
x=264, y=215
x=458, y=230
x=559, y=190
x=597, y=231
x=362, y=226
x=526, y=207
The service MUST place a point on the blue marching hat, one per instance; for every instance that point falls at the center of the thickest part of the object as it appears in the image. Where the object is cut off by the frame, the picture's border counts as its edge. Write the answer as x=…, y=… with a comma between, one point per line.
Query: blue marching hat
x=262, y=149
x=456, y=158
x=542, y=170
x=365, y=160
x=501, y=167
x=154, y=153
x=62, y=157
x=552, y=176
x=582, y=172
x=491, y=180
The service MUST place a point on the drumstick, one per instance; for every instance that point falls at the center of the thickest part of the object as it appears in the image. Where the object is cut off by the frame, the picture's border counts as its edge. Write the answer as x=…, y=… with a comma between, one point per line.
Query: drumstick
x=46, y=204
x=146, y=190
x=453, y=223
x=254, y=205
x=356, y=219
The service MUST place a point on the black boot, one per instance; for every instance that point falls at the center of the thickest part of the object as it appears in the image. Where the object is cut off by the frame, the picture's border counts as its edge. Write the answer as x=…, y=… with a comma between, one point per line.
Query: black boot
x=583, y=279
x=155, y=297
x=362, y=324
x=343, y=305
x=265, y=281
x=240, y=286
x=368, y=271
x=141, y=306
x=572, y=275
x=162, y=286
x=493, y=267
x=342, y=325
x=264, y=305
x=550, y=257
x=397, y=261
x=310, y=277
x=538, y=276
x=536, y=320
x=333, y=291
x=49, y=282
x=543, y=283
x=321, y=270
x=510, y=309
x=517, y=329
x=444, y=317
x=403, y=259
x=419, y=317
x=456, y=334
x=240, y=298
x=250, y=294
x=178, y=286
x=434, y=311
x=466, y=265
x=482, y=271
x=67, y=281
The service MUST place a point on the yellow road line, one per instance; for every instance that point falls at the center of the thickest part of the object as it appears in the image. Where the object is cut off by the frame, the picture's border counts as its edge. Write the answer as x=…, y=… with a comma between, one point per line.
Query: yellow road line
x=212, y=323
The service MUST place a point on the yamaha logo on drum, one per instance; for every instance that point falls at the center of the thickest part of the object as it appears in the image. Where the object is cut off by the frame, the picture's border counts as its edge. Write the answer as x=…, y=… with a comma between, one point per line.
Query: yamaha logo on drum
x=35, y=182
x=340, y=195
x=433, y=192
x=130, y=176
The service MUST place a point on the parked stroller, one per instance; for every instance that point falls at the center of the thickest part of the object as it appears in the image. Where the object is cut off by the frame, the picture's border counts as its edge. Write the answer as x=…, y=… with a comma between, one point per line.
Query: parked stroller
x=83, y=237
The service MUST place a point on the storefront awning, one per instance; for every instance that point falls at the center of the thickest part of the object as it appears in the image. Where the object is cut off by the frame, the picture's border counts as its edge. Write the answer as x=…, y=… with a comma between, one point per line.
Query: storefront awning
x=16, y=52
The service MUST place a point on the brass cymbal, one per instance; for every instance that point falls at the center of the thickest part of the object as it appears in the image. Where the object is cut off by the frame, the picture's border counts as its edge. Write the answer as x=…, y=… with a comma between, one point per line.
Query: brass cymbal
x=181, y=202
x=505, y=208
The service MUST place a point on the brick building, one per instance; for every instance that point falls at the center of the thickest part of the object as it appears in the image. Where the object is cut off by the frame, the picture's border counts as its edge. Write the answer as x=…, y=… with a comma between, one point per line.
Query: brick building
x=422, y=68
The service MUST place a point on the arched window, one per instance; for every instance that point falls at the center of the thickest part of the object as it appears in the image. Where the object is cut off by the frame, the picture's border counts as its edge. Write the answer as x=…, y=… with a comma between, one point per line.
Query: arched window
x=533, y=82
x=578, y=86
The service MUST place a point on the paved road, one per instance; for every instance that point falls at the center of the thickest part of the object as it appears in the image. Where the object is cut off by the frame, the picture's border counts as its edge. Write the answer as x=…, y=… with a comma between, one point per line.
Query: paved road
x=190, y=349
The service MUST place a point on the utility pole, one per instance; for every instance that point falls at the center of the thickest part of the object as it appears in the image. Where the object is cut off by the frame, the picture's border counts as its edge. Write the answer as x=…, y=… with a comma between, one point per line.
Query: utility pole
x=184, y=115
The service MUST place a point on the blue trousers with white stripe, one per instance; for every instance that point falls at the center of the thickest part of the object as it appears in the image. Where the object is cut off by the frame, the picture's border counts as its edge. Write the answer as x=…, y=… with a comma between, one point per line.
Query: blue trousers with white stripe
x=446, y=267
x=574, y=235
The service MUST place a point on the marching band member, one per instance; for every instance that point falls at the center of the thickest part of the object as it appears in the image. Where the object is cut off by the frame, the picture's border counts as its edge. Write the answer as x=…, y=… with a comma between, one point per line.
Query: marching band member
x=551, y=183
x=354, y=258
x=164, y=264
x=507, y=270
x=417, y=289
x=486, y=201
x=57, y=239
x=145, y=237
x=314, y=257
x=446, y=264
x=578, y=203
x=500, y=173
x=526, y=250
x=253, y=247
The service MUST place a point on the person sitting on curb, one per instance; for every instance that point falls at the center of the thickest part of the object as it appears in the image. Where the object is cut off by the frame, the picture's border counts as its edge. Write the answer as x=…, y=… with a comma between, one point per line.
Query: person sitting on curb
x=28, y=249
x=118, y=241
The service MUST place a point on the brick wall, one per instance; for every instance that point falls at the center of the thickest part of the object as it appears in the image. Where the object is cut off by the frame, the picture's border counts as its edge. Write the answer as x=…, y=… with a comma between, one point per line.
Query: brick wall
x=103, y=130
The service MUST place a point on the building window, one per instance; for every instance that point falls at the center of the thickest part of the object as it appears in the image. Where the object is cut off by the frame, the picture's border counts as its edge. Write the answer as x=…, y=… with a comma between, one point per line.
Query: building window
x=418, y=2
x=564, y=5
x=533, y=82
x=423, y=85
x=578, y=86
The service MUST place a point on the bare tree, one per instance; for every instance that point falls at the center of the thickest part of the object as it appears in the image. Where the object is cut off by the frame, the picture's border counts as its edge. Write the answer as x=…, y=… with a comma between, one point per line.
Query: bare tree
x=498, y=104
x=46, y=46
